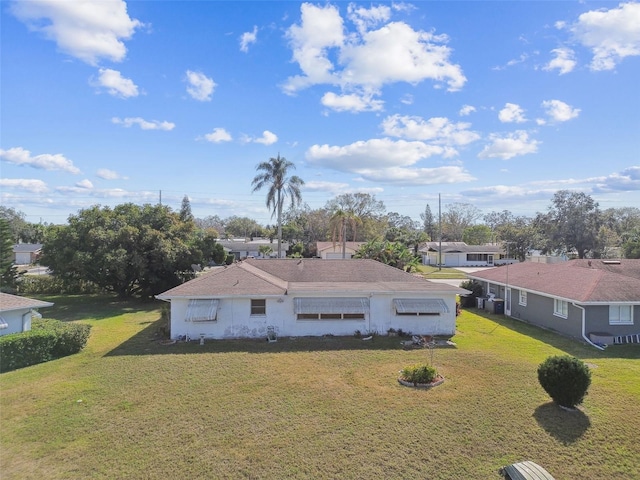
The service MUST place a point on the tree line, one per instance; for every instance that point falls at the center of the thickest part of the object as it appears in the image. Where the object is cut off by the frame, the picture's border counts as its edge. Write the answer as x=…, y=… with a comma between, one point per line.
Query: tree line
x=143, y=250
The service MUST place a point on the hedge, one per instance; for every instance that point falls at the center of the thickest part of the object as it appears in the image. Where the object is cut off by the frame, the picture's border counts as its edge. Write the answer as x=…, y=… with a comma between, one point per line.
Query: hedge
x=52, y=285
x=47, y=340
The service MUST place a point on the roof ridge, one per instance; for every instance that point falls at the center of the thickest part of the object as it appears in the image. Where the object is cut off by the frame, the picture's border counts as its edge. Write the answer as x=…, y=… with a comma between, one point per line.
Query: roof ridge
x=258, y=272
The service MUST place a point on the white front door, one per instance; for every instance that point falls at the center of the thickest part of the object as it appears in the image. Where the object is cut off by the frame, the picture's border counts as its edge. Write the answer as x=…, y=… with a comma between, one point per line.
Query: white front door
x=490, y=259
x=507, y=302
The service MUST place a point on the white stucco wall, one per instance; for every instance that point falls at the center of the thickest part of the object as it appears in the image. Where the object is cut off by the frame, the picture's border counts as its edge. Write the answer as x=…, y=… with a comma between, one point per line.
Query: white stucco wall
x=234, y=319
x=18, y=321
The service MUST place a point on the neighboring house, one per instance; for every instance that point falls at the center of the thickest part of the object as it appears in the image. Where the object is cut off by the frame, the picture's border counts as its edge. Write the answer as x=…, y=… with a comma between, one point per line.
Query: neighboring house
x=333, y=250
x=26, y=253
x=16, y=313
x=537, y=256
x=242, y=248
x=459, y=254
x=598, y=300
x=309, y=297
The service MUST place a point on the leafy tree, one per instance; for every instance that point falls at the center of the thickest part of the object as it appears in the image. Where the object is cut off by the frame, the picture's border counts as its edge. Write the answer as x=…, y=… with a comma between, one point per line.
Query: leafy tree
x=265, y=250
x=390, y=253
x=211, y=221
x=129, y=250
x=274, y=174
x=429, y=223
x=572, y=223
x=21, y=231
x=457, y=217
x=243, y=227
x=185, y=210
x=631, y=244
x=476, y=235
x=370, y=211
x=518, y=236
x=8, y=271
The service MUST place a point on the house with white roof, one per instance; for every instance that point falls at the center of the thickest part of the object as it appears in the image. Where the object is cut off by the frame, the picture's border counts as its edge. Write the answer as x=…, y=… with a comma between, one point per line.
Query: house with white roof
x=16, y=313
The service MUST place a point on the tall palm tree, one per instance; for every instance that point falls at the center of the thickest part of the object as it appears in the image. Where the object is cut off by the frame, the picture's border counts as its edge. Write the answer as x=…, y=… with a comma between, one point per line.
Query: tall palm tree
x=274, y=174
x=339, y=221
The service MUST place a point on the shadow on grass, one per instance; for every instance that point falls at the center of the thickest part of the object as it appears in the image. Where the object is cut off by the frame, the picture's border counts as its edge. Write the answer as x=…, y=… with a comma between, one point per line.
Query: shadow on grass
x=565, y=426
x=149, y=342
x=68, y=308
x=557, y=340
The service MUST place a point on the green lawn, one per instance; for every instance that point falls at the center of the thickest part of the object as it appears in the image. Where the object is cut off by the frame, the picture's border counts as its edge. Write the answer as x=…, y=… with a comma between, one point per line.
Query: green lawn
x=324, y=408
x=444, y=273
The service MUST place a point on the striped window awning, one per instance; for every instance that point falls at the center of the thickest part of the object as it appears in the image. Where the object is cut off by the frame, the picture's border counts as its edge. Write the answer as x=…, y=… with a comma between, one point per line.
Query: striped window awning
x=3, y=324
x=331, y=305
x=420, y=305
x=202, y=310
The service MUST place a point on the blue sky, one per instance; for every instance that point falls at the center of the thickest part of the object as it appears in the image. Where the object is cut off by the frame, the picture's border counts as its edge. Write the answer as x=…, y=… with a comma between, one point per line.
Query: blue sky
x=497, y=104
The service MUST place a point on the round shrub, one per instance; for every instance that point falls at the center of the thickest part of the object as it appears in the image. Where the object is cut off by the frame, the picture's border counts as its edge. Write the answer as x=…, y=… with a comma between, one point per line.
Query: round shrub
x=418, y=373
x=565, y=378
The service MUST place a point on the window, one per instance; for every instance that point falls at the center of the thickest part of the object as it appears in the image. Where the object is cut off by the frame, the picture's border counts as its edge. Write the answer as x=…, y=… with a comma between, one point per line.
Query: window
x=523, y=298
x=620, y=314
x=420, y=306
x=259, y=307
x=202, y=310
x=322, y=308
x=560, y=308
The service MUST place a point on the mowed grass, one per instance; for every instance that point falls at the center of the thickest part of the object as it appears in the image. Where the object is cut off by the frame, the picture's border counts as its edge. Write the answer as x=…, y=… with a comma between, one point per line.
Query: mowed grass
x=322, y=408
x=430, y=272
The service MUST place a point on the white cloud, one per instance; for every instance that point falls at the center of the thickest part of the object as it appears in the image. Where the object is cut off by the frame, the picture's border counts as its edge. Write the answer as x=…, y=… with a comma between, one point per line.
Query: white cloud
x=366, y=59
x=513, y=145
x=351, y=102
x=268, y=138
x=564, y=61
x=387, y=161
x=559, y=111
x=512, y=113
x=466, y=110
x=200, y=86
x=85, y=29
x=366, y=18
x=248, y=38
x=331, y=187
x=27, y=184
x=45, y=161
x=611, y=34
x=218, y=135
x=143, y=124
x=438, y=130
x=115, y=83
x=625, y=181
x=86, y=183
x=371, y=154
x=407, y=99
x=107, y=174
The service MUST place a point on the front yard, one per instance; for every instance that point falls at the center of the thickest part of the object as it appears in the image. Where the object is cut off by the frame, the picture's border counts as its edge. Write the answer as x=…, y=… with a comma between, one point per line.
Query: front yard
x=128, y=407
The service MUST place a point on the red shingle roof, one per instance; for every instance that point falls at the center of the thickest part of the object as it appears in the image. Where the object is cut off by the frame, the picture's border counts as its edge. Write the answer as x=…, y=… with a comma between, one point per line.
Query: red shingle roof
x=584, y=281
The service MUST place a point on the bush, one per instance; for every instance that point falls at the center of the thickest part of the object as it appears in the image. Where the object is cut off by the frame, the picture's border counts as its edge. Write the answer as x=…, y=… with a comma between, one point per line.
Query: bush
x=418, y=374
x=565, y=378
x=52, y=285
x=47, y=340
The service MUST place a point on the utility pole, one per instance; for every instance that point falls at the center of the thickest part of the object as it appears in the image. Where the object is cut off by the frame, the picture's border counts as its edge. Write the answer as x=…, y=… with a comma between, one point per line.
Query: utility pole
x=439, y=234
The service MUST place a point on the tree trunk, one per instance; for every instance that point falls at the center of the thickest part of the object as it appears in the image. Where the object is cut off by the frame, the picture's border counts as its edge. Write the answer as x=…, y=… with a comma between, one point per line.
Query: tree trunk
x=279, y=207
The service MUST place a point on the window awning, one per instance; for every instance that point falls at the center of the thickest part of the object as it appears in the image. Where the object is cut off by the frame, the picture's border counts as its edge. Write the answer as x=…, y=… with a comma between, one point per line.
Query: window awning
x=331, y=305
x=3, y=324
x=202, y=310
x=420, y=305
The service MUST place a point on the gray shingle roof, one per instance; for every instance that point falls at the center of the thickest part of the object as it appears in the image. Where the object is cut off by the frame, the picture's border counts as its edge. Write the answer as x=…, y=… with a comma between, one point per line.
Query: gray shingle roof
x=279, y=276
x=14, y=302
x=27, y=247
x=583, y=281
